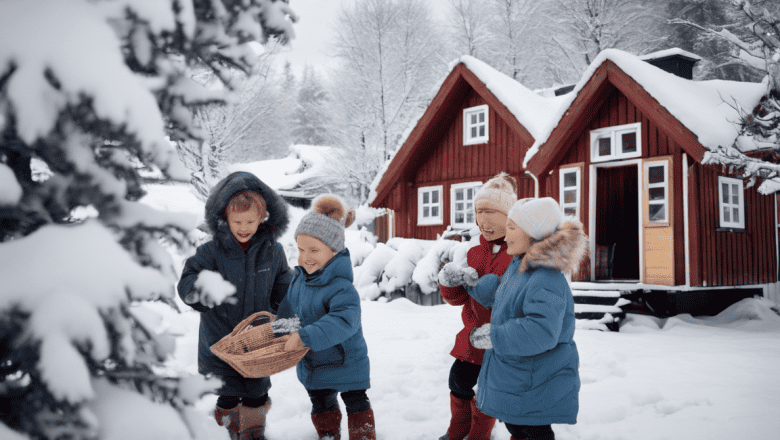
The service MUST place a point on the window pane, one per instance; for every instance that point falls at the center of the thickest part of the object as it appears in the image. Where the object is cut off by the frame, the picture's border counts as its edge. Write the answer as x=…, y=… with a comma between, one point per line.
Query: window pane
x=473, y=118
x=657, y=193
x=434, y=196
x=570, y=196
x=470, y=217
x=569, y=211
x=657, y=212
x=458, y=194
x=434, y=211
x=425, y=197
x=459, y=206
x=726, y=214
x=481, y=131
x=736, y=215
x=426, y=211
x=605, y=146
x=459, y=217
x=473, y=132
x=470, y=194
x=469, y=206
x=569, y=180
x=725, y=188
x=655, y=174
x=735, y=194
x=628, y=141
x=481, y=116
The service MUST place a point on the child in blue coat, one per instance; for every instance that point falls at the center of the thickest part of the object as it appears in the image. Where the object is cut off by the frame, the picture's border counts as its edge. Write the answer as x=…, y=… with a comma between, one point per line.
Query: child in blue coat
x=529, y=377
x=245, y=218
x=322, y=296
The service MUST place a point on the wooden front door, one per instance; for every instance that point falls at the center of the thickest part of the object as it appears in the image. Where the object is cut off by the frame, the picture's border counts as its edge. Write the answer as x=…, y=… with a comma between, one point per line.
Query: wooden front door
x=617, y=223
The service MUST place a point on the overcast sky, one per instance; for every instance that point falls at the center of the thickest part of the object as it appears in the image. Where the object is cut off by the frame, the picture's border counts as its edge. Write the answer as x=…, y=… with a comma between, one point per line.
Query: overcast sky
x=314, y=31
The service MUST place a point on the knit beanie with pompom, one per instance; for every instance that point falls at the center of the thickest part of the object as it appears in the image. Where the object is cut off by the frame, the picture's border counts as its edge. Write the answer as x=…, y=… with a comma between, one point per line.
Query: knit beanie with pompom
x=499, y=193
x=539, y=218
x=326, y=221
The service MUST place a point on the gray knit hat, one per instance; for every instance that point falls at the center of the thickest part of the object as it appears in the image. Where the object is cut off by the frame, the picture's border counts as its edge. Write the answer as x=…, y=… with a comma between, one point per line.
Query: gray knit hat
x=327, y=221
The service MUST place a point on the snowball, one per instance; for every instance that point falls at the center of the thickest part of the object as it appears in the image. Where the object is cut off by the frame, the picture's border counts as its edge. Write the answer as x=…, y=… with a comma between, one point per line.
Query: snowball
x=10, y=190
x=214, y=289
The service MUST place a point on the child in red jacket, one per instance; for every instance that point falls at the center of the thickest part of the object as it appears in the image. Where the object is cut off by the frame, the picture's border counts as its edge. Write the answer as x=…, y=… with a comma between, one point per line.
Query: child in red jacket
x=491, y=203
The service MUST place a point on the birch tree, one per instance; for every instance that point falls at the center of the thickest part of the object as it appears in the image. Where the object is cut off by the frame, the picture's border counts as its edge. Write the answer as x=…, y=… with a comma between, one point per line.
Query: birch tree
x=755, y=39
x=468, y=27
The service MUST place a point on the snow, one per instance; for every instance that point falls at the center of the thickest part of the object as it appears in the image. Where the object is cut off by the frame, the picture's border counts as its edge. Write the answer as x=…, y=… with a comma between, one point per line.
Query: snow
x=10, y=190
x=707, y=108
x=214, y=289
x=669, y=52
x=680, y=377
x=276, y=173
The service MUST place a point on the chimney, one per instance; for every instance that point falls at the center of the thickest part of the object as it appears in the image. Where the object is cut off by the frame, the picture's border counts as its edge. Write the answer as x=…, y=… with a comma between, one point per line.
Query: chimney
x=675, y=60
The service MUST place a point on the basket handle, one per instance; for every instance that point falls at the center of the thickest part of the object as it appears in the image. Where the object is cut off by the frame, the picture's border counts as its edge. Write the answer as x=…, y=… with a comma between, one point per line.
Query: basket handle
x=243, y=325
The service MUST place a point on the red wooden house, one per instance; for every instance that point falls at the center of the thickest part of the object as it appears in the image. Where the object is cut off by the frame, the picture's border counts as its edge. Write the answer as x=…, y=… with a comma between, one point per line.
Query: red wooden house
x=623, y=152
x=480, y=122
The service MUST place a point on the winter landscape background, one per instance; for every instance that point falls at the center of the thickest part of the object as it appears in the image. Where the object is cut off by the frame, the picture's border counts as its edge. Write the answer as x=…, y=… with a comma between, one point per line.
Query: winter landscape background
x=117, y=117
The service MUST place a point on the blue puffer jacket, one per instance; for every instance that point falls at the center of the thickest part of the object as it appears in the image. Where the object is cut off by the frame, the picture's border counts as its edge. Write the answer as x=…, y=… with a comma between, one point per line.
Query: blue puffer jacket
x=329, y=308
x=261, y=275
x=530, y=376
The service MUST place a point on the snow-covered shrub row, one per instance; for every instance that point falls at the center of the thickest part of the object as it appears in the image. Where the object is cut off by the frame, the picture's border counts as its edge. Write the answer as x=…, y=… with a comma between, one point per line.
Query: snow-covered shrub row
x=380, y=269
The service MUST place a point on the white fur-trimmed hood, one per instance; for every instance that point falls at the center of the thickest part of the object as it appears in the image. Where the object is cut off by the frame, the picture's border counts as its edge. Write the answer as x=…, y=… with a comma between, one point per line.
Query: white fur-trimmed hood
x=563, y=250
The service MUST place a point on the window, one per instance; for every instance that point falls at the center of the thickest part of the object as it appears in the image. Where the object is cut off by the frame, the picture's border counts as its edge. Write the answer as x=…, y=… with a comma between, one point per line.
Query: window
x=475, y=125
x=619, y=142
x=462, y=204
x=570, y=191
x=657, y=192
x=429, y=205
x=731, y=203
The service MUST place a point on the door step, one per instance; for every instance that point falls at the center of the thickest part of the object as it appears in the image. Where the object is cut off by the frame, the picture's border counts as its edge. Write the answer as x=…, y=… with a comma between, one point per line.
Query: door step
x=599, y=309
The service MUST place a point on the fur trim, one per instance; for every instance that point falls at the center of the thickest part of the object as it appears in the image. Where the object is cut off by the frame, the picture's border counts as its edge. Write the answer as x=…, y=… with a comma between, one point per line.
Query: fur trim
x=563, y=250
x=331, y=205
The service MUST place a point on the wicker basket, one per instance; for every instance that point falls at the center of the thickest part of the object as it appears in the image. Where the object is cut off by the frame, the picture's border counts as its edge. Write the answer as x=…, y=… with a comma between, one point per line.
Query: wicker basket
x=254, y=351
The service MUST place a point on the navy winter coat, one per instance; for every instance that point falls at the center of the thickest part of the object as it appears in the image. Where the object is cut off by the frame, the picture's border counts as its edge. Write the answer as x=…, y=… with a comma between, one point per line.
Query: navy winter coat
x=329, y=308
x=261, y=274
x=530, y=376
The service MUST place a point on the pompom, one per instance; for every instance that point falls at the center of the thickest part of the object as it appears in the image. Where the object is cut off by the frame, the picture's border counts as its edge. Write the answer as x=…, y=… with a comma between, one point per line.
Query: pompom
x=332, y=206
x=503, y=181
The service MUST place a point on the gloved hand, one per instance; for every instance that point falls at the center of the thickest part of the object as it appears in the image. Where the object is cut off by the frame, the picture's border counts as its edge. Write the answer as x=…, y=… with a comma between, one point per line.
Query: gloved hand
x=480, y=337
x=450, y=275
x=285, y=326
x=469, y=276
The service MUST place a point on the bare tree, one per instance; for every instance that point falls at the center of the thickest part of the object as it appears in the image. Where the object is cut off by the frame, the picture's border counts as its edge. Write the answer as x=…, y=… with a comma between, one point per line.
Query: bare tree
x=468, y=27
x=514, y=44
x=756, y=44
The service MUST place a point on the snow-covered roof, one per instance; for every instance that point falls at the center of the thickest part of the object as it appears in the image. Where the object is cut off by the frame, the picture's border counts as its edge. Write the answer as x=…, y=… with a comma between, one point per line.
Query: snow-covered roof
x=669, y=52
x=706, y=108
x=530, y=109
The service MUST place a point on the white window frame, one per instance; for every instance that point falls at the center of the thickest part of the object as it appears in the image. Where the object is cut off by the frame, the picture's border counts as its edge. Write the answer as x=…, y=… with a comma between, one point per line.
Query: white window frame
x=616, y=142
x=462, y=186
x=430, y=220
x=664, y=185
x=740, y=223
x=467, y=139
x=577, y=187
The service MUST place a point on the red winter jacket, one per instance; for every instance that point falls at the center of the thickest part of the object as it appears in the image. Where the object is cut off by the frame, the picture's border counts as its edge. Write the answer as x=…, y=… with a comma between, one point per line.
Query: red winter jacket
x=474, y=315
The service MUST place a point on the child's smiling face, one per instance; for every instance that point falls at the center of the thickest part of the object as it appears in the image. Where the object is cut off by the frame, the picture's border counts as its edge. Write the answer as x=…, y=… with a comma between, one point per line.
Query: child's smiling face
x=517, y=240
x=243, y=225
x=313, y=254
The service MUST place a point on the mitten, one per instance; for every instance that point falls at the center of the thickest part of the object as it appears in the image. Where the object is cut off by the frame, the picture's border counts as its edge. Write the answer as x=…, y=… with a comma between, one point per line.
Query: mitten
x=286, y=326
x=480, y=337
x=469, y=276
x=450, y=275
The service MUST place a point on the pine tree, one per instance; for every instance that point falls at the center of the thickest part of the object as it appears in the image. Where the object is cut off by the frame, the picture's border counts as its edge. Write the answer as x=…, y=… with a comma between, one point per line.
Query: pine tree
x=89, y=89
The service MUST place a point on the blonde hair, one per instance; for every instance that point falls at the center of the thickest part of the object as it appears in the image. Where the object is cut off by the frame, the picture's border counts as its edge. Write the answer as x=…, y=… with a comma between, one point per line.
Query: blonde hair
x=246, y=200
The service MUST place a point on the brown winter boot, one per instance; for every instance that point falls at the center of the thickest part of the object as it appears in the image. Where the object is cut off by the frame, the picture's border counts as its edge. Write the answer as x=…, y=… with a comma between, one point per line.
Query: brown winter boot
x=230, y=419
x=460, y=420
x=328, y=424
x=481, y=423
x=253, y=422
x=361, y=425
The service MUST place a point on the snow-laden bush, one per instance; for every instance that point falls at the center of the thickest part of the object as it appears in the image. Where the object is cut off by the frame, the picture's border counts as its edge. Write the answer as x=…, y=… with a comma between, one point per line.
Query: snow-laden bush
x=89, y=89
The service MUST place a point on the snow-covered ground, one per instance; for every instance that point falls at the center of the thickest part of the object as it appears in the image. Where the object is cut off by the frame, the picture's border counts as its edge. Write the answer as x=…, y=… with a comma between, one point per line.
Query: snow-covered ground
x=689, y=379
x=679, y=378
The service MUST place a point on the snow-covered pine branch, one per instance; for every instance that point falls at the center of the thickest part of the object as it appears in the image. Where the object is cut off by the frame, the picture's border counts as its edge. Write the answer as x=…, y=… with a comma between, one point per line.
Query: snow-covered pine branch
x=90, y=89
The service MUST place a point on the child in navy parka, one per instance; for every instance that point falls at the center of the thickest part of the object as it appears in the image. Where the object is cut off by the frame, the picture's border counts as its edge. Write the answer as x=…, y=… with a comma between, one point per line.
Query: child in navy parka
x=322, y=296
x=529, y=377
x=245, y=218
